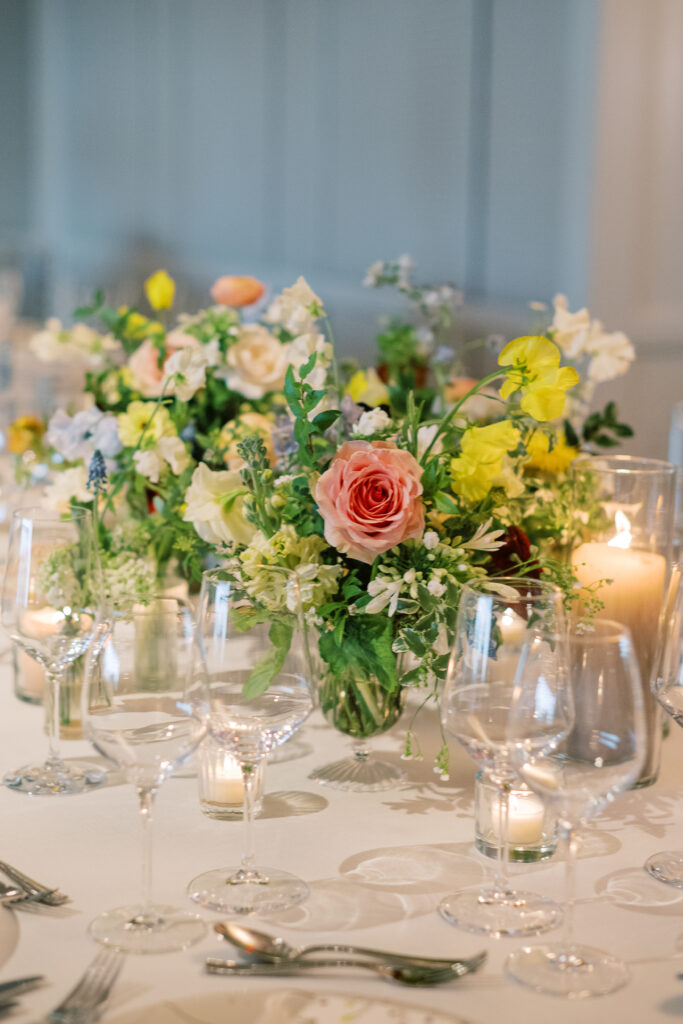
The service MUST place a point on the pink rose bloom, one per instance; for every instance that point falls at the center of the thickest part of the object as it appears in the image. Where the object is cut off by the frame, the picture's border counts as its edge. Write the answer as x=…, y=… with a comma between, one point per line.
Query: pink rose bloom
x=369, y=498
x=148, y=376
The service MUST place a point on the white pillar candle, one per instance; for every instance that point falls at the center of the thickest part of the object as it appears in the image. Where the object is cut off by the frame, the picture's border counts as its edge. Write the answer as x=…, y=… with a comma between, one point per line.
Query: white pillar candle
x=633, y=596
x=525, y=818
x=512, y=627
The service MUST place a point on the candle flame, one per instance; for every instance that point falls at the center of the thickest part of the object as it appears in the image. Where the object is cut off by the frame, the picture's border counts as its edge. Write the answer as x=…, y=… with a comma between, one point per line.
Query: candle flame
x=623, y=536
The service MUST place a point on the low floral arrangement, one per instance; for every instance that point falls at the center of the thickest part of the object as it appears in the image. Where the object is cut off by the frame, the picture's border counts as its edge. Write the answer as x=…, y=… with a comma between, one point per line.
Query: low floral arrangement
x=227, y=440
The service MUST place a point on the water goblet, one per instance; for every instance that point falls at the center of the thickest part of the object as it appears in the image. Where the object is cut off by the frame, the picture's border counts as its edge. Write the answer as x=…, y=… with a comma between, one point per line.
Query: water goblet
x=49, y=609
x=260, y=694
x=578, y=732
x=145, y=705
x=668, y=689
x=496, y=617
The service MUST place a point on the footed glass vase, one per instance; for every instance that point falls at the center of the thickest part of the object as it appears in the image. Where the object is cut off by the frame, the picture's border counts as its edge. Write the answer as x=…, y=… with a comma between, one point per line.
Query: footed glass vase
x=360, y=708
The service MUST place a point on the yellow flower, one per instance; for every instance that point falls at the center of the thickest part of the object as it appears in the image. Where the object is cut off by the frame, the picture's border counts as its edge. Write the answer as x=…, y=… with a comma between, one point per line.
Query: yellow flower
x=160, y=290
x=536, y=371
x=24, y=434
x=365, y=386
x=542, y=457
x=484, y=463
x=138, y=327
x=137, y=417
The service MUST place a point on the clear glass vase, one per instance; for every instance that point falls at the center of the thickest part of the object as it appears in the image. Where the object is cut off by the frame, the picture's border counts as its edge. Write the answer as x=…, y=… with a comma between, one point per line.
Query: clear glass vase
x=360, y=708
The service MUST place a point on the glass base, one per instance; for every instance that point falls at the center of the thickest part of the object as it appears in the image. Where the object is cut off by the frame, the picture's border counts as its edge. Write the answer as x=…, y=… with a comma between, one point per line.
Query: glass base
x=491, y=913
x=666, y=867
x=161, y=930
x=518, y=854
x=54, y=779
x=575, y=973
x=234, y=891
x=360, y=773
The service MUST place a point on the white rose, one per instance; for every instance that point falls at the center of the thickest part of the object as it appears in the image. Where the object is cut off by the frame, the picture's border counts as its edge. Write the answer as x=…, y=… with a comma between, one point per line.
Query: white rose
x=214, y=506
x=257, y=362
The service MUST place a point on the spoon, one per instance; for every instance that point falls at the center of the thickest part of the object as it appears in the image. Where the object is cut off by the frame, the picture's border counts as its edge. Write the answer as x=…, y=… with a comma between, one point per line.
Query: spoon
x=275, y=950
x=405, y=975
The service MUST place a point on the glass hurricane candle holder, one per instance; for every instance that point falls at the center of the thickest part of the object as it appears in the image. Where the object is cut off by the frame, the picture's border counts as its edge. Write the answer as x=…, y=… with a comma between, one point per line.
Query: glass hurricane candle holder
x=221, y=788
x=531, y=826
x=624, y=559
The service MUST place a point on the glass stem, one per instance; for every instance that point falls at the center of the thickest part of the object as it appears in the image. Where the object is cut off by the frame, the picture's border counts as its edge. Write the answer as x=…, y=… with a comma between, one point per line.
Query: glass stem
x=571, y=846
x=248, y=778
x=53, y=679
x=500, y=876
x=146, y=798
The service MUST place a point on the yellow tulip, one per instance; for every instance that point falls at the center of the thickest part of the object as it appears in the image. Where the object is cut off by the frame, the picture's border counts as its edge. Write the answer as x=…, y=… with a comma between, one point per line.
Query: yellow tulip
x=160, y=290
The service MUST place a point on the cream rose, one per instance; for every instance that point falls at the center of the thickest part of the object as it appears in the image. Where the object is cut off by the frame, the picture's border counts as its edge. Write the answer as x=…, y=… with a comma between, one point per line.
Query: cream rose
x=257, y=362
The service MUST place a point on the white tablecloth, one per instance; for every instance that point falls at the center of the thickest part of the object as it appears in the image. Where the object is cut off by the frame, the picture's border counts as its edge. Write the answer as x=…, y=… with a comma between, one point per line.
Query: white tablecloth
x=377, y=863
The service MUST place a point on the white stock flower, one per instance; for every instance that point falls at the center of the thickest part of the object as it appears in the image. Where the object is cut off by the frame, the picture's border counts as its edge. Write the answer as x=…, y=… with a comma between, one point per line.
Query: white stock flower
x=148, y=464
x=373, y=421
x=70, y=485
x=571, y=330
x=292, y=308
x=214, y=503
x=257, y=362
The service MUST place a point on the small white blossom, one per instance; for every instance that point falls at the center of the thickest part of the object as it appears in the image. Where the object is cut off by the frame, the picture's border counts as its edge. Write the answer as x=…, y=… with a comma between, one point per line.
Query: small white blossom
x=185, y=370
x=435, y=588
x=383, y=592
x=373, y=421
x=430, y=539
x=373, y=274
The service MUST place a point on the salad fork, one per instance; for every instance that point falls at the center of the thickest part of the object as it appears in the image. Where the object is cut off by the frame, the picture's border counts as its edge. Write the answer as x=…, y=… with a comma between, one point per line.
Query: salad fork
x=83, y=1002
x=34, y=890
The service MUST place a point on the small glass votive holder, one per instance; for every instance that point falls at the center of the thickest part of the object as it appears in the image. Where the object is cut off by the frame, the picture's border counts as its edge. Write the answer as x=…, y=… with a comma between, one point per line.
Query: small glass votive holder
x=221, y=789
x=531, y=831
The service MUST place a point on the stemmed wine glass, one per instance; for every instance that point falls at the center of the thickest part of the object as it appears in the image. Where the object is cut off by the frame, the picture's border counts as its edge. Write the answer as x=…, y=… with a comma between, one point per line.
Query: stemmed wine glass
x=260, y=693
x=668, y=689
x=49, y=608
x=145, y=706
x=578, y=733
x=496, y=617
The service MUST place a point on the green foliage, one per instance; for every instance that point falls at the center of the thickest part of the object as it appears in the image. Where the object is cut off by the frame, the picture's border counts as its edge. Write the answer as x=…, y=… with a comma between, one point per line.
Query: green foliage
x=267, y=668
x=603, y=428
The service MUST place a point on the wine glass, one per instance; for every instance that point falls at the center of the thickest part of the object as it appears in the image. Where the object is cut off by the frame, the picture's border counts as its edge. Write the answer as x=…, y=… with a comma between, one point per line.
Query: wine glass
x=261, y=693
x=578, y=732
x=49, y=609
x=668, y=689
x=496, y=617
x=145, y=706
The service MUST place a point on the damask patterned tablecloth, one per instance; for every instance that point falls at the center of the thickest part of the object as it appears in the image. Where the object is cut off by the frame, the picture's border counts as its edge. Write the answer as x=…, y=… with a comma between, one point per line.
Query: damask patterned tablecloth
x=377, y=863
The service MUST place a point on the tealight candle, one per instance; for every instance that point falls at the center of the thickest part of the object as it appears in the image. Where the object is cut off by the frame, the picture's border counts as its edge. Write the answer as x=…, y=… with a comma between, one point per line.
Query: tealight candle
x=526, y=815
x=221, y=787
x=37, y=624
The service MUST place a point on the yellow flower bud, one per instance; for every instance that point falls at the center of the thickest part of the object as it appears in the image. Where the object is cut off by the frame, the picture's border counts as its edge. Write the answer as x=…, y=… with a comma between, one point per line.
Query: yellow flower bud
x=160, y=290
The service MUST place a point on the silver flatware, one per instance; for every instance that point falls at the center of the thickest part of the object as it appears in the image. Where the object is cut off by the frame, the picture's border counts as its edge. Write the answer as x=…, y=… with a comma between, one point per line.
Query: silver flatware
x=83, y=1003
x=272, y=949
x=41, y=893
x=11, y=894
x=404, y=975
x=10, y=989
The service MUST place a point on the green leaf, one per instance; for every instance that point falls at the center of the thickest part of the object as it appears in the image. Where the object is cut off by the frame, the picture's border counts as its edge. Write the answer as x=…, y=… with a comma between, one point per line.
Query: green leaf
x=324, y=420
x=292, y=393
x=444, y=503
x=265, y=670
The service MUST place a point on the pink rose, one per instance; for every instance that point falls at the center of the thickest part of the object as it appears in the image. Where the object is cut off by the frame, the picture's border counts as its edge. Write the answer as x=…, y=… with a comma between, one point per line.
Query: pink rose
x=369, y=498
x=144, y=363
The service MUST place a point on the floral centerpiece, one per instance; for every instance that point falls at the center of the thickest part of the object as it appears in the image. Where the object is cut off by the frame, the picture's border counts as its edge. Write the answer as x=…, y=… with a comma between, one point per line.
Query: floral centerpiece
x=222, y=439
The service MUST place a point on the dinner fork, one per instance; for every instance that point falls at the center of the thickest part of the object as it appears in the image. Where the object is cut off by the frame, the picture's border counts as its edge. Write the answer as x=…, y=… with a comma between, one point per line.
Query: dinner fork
x=82, y=1004
x=9, y=895
x=40, y=893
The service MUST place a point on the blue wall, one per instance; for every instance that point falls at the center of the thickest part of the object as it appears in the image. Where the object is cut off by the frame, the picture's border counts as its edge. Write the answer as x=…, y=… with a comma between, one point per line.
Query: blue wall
x=300, y=136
